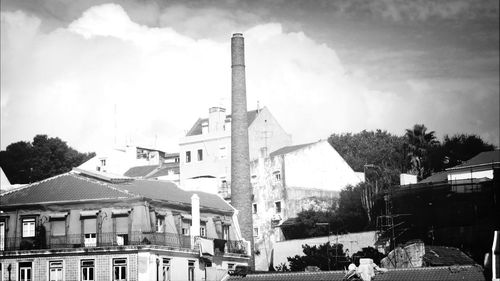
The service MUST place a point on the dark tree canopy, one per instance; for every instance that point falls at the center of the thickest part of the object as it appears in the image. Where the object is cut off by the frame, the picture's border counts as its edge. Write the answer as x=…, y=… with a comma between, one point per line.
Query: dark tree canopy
x=381, y=151
x=325, y=256
x=25, y=162
x=457, y=149
x=348, y=216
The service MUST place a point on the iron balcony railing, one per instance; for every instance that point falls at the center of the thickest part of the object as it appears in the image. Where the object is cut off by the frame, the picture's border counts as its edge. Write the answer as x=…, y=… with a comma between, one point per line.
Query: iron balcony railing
x=108, y=239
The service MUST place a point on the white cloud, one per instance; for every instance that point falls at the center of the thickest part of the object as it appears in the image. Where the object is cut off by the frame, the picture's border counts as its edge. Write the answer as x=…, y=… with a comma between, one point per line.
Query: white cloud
x=68, y=82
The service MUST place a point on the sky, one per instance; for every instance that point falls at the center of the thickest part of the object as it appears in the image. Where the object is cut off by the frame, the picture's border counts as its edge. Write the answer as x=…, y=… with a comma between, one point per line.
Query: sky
x=99, y=73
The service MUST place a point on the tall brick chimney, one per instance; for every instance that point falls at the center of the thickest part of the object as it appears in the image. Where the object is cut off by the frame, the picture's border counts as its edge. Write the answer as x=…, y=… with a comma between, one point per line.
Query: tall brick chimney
x=241, y=189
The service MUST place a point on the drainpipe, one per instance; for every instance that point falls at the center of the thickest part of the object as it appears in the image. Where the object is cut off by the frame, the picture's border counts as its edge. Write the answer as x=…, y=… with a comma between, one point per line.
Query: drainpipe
x=195, y=217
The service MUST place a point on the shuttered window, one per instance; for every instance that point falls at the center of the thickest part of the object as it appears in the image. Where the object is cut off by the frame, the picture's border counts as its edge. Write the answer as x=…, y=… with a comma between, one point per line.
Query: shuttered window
x=89, y=225
x=121, y=225
x=58, y=227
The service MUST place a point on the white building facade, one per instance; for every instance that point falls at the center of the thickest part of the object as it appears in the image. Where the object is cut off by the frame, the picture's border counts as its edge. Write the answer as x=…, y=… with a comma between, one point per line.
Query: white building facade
x=290, y=180
x=205, y=151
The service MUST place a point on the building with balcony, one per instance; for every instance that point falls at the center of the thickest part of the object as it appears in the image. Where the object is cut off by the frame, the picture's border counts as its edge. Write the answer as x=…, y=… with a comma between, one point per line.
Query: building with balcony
x=87, y=226
x=205, y=151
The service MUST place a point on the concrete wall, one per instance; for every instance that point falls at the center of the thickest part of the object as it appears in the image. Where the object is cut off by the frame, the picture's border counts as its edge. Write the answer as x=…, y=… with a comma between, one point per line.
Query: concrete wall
x=216, y=161
x=265, y=131
x=472, y=174
x=309, y=178
x=318, y=166
x=353, y=242
x=118, y=160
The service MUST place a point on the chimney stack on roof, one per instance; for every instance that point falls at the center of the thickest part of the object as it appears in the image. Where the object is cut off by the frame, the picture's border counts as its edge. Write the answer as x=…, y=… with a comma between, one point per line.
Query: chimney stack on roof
x=241, y=189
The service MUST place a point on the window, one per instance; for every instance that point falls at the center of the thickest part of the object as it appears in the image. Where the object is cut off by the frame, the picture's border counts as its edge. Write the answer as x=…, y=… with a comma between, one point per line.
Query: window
x=2, y=236
x=25, y=271
x=230, y=266
x=160, y=224
x=222, y=152
x=29, y=227
x=89, y=231
x=188, y=156
x=277, y=176
x=166, y=270
x=277, y=206
x=58, y=227
x=121, y=230
x=254, y=208
x=87, y=270
x=119, y=269
x=255, y=232
x=55, y=271
x=103, y=162
x=191, y=270
x=90, y=240
x=200, y=154
x=186, y=225
x=203, y=230
x=225, y=232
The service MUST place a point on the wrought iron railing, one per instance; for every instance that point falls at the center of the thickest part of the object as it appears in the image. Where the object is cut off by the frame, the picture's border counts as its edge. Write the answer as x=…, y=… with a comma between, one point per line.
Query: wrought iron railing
x=107, y=239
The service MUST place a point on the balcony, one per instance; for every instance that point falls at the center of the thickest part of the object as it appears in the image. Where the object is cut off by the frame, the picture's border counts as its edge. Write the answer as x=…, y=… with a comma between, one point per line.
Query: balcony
x=109, y=239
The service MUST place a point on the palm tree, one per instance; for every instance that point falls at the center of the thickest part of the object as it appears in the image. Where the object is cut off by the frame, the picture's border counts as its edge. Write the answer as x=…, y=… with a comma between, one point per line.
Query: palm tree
x=419, y=141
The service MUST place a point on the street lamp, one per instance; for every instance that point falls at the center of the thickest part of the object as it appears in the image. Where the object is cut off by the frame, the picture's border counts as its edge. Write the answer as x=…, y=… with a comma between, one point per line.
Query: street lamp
x=328, y=244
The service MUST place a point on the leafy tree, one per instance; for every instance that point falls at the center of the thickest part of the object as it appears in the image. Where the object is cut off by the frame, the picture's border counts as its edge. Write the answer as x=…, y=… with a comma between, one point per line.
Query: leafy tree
x=419, y=142
x=457, y=149
x=379, y=149
x=26, y=162
x=369, y=253
x=326, y=256
x=348, y=216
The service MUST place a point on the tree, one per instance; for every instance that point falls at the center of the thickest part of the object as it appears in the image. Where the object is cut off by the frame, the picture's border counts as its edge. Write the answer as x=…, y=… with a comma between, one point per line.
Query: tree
x=419, y=142
x=25, y=162
x=368, y=253
x=376, y=148
x=346, y=216
x=325, y=256
x=457, y=149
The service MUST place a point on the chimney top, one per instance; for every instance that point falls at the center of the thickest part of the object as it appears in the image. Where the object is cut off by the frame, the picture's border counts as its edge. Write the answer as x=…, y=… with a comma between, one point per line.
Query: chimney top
x=237, y=34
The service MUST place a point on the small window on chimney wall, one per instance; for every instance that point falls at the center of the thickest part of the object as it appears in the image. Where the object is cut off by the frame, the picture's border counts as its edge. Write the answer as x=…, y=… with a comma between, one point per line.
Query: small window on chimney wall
x=277, y=206
x=254, y=208
x=277, y=176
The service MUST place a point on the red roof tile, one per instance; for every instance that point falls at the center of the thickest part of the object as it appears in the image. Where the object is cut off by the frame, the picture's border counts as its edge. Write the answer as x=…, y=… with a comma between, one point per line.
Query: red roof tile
x=65, y=187
x=140, y=171
x=446, y=256
x=445, y=273
x=483, y=158
x=168, y=191
x=74, y=187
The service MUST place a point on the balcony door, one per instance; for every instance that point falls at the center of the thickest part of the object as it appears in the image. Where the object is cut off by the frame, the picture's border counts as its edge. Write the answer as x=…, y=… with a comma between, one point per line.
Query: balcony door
x=2, y=236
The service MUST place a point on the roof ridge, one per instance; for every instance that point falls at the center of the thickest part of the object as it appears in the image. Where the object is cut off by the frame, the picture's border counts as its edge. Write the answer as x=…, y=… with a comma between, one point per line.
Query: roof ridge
x=104, y=184
x=34, y=183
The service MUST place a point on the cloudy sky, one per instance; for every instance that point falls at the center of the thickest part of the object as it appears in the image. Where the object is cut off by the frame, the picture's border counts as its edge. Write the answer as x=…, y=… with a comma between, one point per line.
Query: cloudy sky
x=95, y=73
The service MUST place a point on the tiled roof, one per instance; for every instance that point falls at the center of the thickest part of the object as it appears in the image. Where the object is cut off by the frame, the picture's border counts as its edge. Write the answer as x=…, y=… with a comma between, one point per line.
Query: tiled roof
x=445, y=256
x=483, y=158
x=437, y=177
x=444, y=273
x=196, y=129
x=65, y=187
x=163, y=171
x=288, y=149
x=165, y=190
x=140, y=171
x=74, y=186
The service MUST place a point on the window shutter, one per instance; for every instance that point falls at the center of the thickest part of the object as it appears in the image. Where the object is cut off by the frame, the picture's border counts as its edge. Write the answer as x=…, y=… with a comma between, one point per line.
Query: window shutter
x=89, y=225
